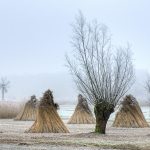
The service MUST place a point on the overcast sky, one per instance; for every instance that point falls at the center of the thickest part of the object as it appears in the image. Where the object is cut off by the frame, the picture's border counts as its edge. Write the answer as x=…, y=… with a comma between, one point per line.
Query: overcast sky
x=35, y=35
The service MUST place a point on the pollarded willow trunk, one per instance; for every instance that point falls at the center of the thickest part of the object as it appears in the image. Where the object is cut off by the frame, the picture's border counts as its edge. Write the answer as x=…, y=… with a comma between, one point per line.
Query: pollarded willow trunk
x=102, y=113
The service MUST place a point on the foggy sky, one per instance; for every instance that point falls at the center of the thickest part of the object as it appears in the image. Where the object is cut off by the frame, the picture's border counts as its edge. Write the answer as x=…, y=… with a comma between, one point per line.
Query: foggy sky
x=35, y=35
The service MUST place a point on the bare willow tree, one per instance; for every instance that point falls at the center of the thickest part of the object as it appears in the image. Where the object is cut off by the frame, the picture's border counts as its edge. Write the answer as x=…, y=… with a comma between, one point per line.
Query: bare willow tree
x=4, y=86
x=102, y=76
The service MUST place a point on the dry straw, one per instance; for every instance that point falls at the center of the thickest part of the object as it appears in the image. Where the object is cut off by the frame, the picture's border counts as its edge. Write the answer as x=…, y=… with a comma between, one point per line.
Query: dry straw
x=48, y=120
x=28, y=113
x=82, y=113
x=9, y=110
x=130, y=114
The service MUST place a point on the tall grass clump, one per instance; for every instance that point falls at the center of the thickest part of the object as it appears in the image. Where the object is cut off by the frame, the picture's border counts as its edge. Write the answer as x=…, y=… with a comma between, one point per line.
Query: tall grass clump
x=9, y=110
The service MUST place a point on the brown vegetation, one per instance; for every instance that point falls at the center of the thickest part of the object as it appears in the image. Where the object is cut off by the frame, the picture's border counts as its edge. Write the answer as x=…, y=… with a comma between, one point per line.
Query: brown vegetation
x=48, y=120
x=9, y=110
x=130, y=114
x=82, y=113
x=28, y=113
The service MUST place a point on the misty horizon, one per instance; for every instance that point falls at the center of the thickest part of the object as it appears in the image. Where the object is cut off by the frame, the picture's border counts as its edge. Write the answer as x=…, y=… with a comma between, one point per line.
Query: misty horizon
x=35, y=36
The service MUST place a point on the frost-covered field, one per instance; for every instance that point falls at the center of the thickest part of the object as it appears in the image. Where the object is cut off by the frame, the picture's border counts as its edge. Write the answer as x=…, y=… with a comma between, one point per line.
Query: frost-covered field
x=12, y=136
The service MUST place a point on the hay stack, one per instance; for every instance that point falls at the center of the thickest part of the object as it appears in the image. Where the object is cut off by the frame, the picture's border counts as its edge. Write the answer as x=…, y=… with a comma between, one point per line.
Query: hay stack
x=28, y=113
x=82, y=113
x=130, y=114
x=48, y=120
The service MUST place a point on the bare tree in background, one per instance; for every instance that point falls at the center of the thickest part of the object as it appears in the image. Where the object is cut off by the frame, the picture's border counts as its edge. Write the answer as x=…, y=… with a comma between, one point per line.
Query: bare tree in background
x=4, y=86
x=101, y=76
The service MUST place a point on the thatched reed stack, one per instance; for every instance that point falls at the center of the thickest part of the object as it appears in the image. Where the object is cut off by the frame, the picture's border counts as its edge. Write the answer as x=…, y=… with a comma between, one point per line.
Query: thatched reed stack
x=82, y=113
x=48, y=120
x=28, y=113
x=130, y=114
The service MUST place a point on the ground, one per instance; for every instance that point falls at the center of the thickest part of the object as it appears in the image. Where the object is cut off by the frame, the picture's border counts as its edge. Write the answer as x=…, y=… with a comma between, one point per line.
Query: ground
x=12, y=137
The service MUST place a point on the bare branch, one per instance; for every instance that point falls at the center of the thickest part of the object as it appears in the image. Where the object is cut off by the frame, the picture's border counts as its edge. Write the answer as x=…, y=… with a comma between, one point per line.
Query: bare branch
x=102, y=74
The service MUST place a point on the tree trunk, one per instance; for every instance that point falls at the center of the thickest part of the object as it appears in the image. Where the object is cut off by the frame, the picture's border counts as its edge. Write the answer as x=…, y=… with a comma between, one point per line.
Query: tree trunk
x=102, y=113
